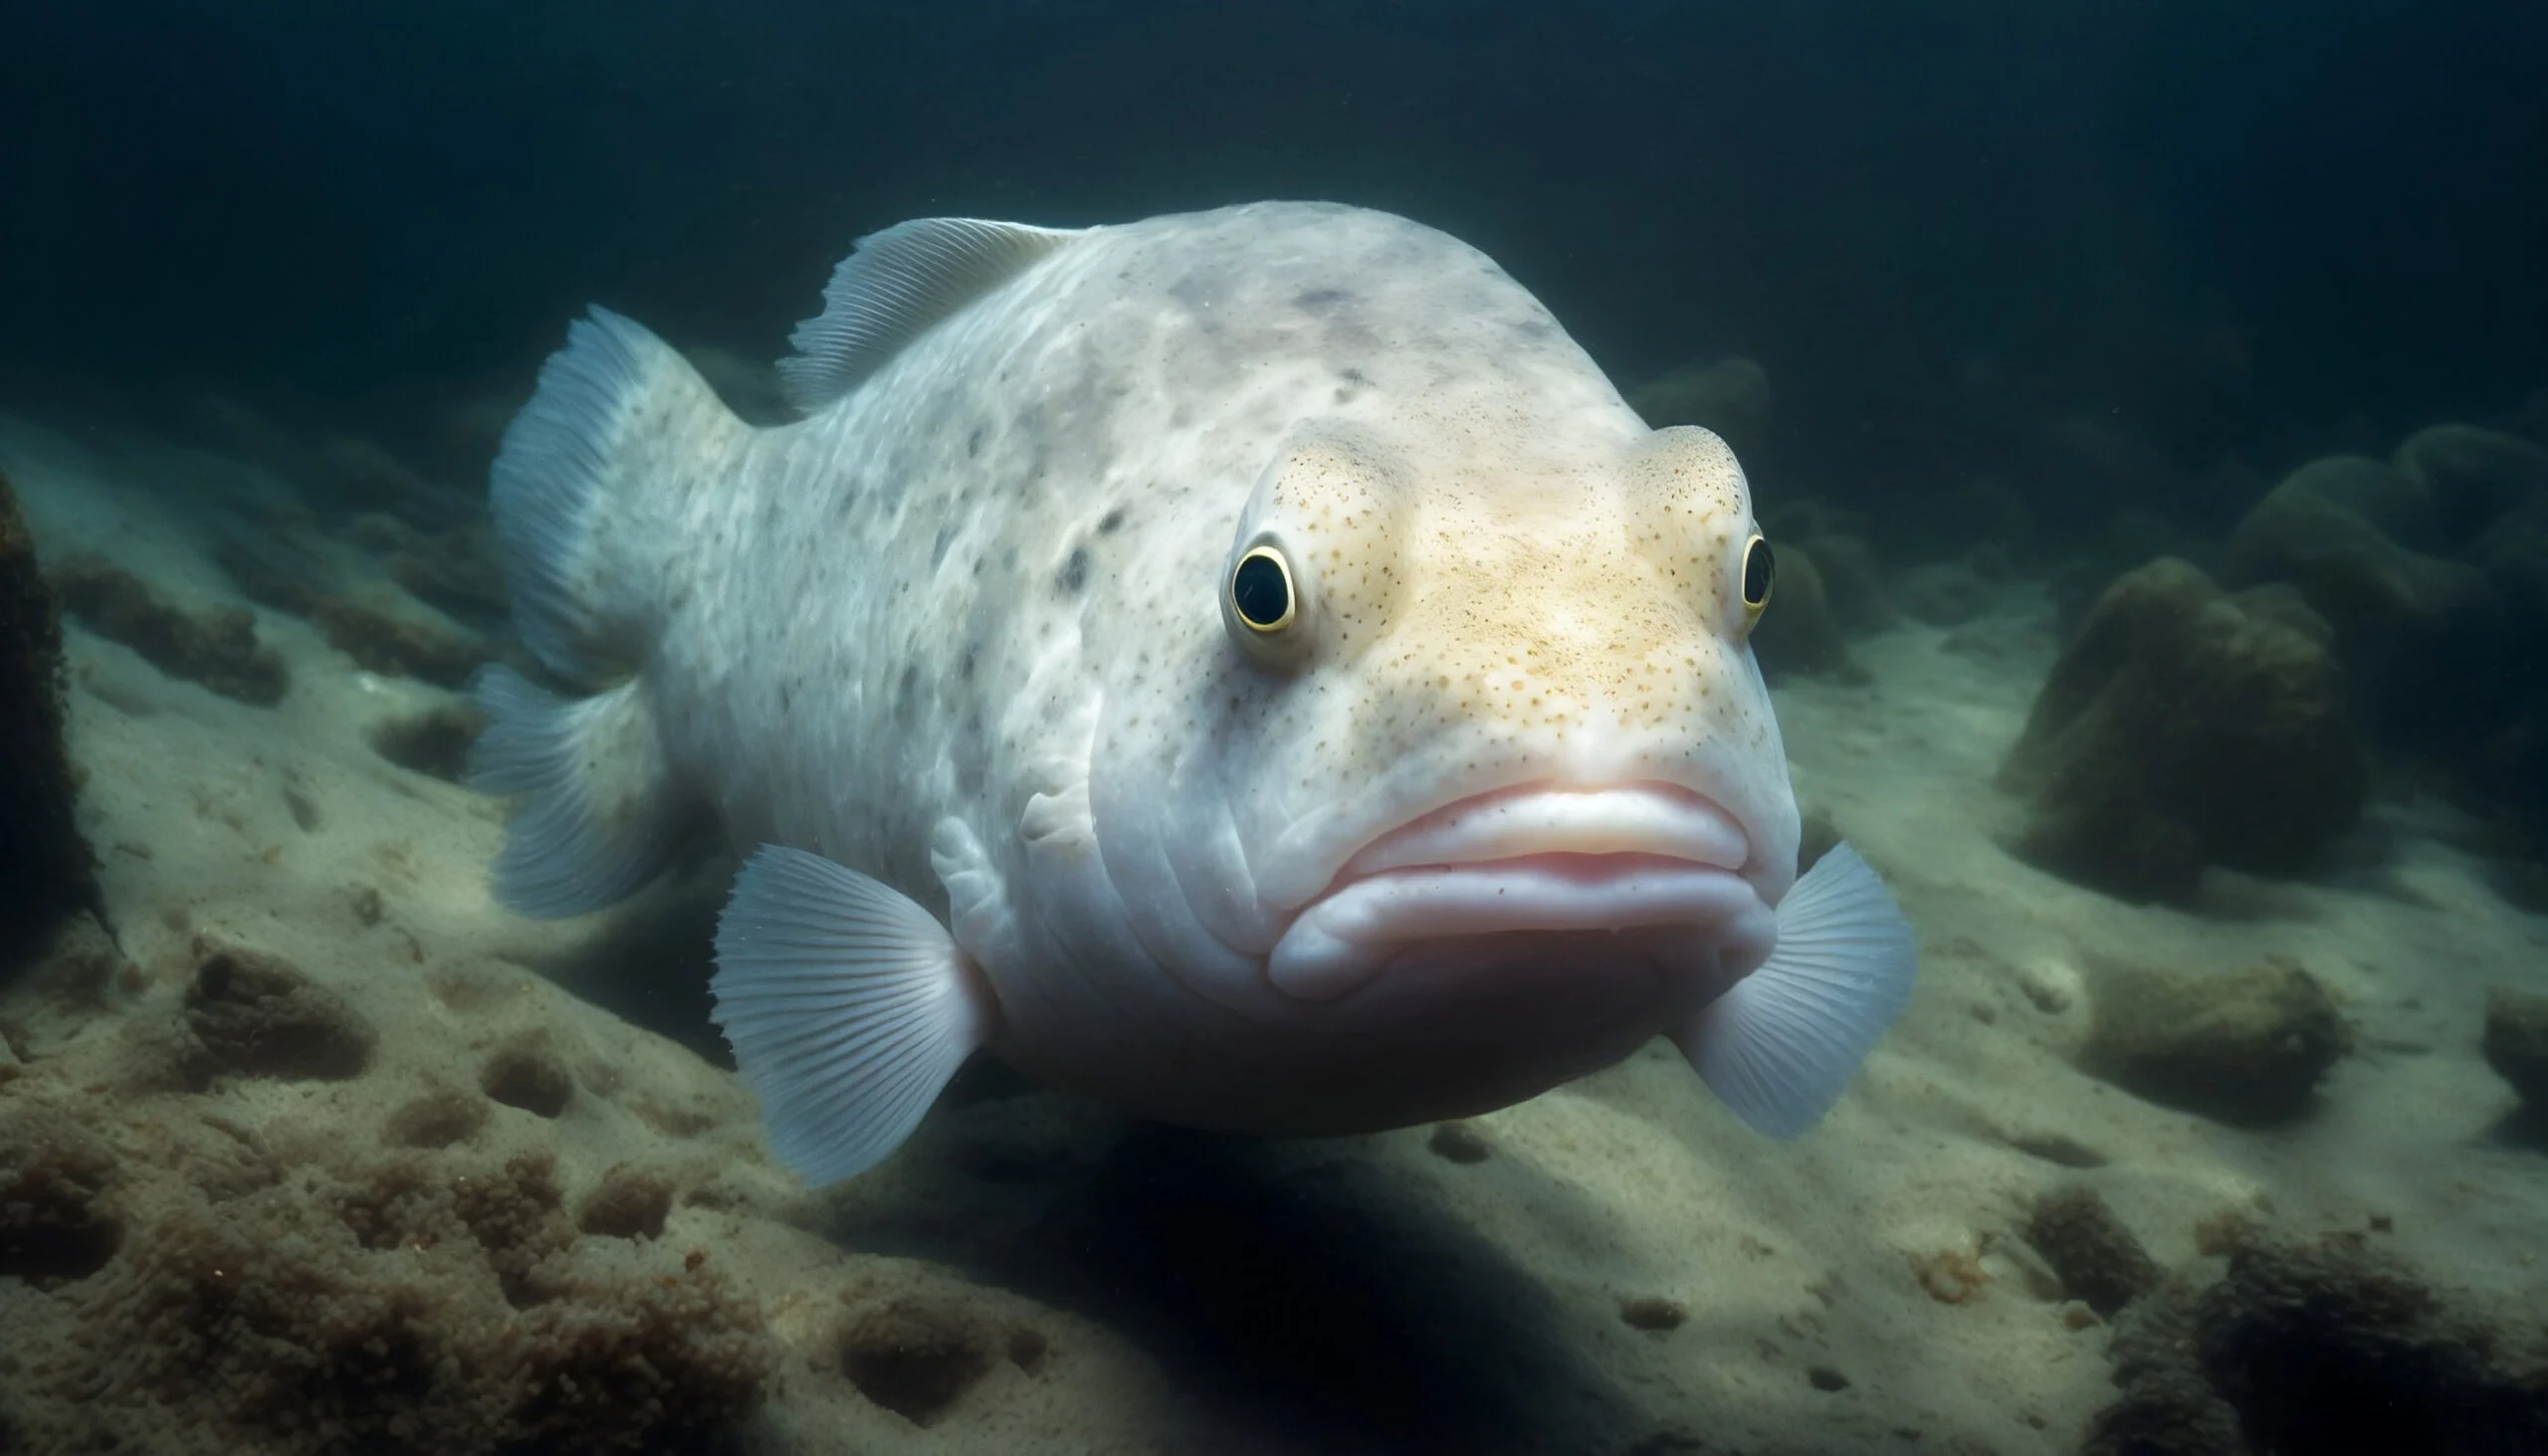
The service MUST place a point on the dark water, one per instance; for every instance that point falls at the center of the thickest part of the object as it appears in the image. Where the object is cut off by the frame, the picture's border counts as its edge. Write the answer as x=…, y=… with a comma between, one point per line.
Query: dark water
x=2043, y=290
x=2257, y=228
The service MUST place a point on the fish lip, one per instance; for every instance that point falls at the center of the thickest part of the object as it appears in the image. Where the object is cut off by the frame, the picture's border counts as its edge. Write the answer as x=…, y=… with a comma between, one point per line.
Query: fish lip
x=1579, y=859
x=1643, y=818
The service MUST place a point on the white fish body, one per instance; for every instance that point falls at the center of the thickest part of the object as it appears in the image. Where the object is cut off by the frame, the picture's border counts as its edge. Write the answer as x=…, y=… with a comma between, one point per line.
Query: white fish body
x=1249, y=665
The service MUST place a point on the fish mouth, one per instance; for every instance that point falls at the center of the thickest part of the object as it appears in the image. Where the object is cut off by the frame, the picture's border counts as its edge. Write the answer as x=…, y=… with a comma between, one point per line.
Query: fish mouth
x=1648, y=871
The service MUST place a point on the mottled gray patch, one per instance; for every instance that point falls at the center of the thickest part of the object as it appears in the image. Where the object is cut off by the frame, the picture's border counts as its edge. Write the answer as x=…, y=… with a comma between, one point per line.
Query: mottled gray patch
x=937, y=548
x=1321, y=301
x=973, y=444
x=1073, y=577
x=1110, y=522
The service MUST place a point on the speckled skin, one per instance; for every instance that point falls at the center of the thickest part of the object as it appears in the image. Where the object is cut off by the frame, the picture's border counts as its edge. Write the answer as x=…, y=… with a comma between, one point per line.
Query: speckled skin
x=964, y=630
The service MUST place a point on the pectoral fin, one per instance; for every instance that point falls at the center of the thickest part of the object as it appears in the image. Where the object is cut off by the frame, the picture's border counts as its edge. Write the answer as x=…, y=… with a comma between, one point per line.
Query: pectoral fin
x=848, y=1006
x=1780, y=1047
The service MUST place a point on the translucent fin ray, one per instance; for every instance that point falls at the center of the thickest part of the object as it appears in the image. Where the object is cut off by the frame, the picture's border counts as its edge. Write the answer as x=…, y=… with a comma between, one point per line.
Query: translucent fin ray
x=848, y=1006
x=895, y=286
x=598, y=816
x=1782, y=1044
x=618, y=422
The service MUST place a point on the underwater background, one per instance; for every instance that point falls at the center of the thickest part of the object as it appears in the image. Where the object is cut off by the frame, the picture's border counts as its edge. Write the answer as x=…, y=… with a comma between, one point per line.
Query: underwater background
x=2150, y=405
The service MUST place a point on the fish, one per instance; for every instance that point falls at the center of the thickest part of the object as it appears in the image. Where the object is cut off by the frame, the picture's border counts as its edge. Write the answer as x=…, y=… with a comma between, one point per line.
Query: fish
x=1247, y=666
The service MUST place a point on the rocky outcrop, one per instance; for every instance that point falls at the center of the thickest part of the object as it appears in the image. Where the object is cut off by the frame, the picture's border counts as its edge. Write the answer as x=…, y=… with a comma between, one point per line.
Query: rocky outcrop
x=2248, y=1047
x=2319, y=1348
x=45, y=866
x=2186, y=726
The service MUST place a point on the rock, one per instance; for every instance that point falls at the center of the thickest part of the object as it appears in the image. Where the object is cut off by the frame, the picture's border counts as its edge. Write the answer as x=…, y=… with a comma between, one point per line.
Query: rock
x=2352, y=534
x=2434, y=573
x=2127, y=538
x=2357, y=537
x=1731, y=396
x=2097, y=1258
x=2473, y=476
x=45, y=866
x=433, y=740
x=399, y=645
x=457, y=571
x=2245, y=1047
x=396, y=1305
x=2185, y=727
x=217, y=648
x=2387, y=499
x=1798, y=631
x=369, y=621
x=2517, y=1042
x=260, y=1017
x=59, y=1218
x=2317, y=1349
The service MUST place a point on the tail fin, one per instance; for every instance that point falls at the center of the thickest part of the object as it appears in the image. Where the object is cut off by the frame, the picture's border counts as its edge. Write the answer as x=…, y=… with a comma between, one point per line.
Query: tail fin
x=584, y=490
x=586, y=494
x=599, y=816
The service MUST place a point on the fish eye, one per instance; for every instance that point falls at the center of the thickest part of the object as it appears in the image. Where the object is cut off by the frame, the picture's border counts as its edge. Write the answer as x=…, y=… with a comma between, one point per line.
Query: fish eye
x=1261, y=590
x=1759, y=573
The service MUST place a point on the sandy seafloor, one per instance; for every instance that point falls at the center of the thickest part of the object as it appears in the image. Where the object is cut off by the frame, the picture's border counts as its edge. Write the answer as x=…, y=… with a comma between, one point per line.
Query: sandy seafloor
x=1505, y=1279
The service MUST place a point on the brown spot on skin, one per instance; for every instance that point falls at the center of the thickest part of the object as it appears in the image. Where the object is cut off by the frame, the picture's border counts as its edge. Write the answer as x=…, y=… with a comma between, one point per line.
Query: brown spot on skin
x=1073, y=577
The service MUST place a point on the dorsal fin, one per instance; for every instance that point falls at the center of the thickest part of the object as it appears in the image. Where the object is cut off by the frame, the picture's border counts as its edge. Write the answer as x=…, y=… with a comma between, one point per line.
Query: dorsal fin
x=893, y=287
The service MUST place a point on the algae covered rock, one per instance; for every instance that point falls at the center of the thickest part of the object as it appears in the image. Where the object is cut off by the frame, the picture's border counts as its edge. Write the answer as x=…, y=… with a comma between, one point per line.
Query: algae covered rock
x=2363, y=543
x=2320, y=1348
x=58, y=1219
x=408, y=1304
x=45, y=866
x=2182, y=727
x=218, y=648
x=2091, y=1252
x=2246, y=1046
x=2473, y=476
x=2433, y=570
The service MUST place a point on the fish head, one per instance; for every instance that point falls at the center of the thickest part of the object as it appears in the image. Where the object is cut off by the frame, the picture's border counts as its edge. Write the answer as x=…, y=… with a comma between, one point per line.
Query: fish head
x=1480, y=733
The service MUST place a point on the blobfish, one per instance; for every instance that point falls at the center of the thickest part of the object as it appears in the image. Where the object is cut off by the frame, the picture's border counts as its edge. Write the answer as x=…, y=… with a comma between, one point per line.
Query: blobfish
x=1248, y=666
